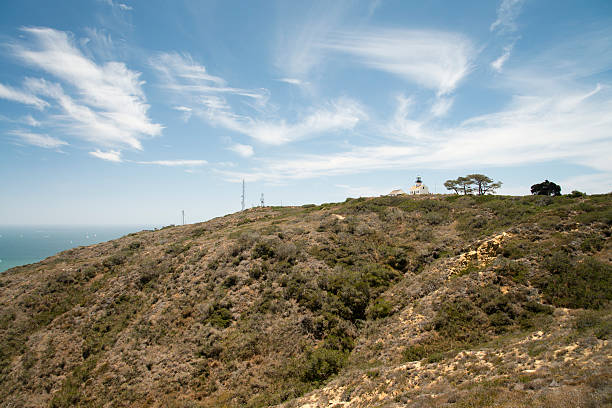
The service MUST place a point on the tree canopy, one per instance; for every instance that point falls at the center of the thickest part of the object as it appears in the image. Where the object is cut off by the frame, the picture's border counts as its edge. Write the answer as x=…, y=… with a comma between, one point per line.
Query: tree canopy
x=547, y=188
x=473, y=182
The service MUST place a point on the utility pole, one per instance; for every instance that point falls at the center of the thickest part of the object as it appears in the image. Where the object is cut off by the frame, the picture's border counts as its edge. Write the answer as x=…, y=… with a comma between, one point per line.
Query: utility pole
x=242, y=194
x=183, y=213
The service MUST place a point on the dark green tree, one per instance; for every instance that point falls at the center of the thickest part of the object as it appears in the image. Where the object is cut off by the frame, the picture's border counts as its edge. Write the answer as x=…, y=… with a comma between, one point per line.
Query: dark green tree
x=466, y=184
x=484, y=185
x=547, y=188
x=452, y=185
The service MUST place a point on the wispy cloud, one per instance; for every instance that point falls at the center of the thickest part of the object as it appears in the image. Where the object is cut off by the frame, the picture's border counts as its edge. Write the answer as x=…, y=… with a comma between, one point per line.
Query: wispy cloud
x=15, y=95
x=242, y=149
x=116, y=4
x=442, y=106
x=109, y=107
x=30, y=121
x=363, y=191
x=292, y=81
x=402, y=126
x=186, y=112
x=39, y=140
x=341, y=114
x=501, y=60
x=183, y=75
x=111, y=155
x=433, y=59
x=298, y=49
x=208, y=96
x=573, y=126
x=507, y=13
x=175, y=163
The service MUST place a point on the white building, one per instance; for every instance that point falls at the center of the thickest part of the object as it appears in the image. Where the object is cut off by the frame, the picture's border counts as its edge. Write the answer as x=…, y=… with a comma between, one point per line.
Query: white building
x=419, y=188
x=397, y=192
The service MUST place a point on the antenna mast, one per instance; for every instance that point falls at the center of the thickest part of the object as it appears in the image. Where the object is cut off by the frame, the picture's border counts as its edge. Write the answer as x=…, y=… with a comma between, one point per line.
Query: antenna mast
x=242, y=194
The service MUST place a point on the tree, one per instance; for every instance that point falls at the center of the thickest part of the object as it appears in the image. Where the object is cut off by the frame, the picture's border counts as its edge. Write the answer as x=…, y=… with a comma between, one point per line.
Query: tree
x=547, y=188
x=452, y=185
x=484, y=184
x=466, y=184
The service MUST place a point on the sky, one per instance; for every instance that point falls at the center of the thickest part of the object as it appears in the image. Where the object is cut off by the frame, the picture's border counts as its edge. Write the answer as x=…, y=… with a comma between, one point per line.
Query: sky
x=118, y=112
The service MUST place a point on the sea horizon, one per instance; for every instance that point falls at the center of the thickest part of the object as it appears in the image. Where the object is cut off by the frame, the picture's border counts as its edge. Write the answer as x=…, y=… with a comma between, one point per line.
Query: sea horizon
x=30, y=243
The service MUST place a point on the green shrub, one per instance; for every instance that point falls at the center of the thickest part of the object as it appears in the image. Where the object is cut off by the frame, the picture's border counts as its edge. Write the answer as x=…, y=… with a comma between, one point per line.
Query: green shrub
x=220, y=317
x=321, y=364
x=414, y=353
x=177, y=248
x=514, y=270
x=264, y=250
x=585, y=283
x=599, y=325
x=381, y=308
x=593, y=243
x=460, y=320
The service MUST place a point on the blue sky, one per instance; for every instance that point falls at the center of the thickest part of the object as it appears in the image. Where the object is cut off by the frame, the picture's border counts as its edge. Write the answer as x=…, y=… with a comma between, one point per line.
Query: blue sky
x=127, y=112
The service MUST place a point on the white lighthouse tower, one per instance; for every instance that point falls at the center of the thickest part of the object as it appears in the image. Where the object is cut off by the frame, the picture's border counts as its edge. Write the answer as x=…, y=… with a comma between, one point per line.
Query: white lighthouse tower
x=419, y=188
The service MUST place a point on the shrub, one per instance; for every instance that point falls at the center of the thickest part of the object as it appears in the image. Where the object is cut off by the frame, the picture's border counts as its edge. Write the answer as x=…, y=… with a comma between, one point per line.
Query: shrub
x=415, y=352
x=230, y=281
x=459, y=320
x=220, y=317
x=321, y=364
x=592, y=244
x=514, y=270
x=264, y=250
x=381, y=308
x=586, y=283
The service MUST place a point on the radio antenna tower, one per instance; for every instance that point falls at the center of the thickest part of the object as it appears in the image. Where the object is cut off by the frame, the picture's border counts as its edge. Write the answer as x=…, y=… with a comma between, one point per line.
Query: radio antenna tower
x=261, y=200
x=242, y=194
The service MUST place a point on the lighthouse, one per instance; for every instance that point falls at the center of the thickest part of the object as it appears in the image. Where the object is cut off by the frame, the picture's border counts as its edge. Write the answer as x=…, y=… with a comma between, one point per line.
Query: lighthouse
x=419, y=188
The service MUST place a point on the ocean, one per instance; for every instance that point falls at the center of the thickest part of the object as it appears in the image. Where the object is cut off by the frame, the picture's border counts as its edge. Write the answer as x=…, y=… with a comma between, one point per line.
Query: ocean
x=30, y=244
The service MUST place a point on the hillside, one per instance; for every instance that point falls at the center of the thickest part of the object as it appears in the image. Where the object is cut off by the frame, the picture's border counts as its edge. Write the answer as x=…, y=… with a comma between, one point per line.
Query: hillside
x=456, y=301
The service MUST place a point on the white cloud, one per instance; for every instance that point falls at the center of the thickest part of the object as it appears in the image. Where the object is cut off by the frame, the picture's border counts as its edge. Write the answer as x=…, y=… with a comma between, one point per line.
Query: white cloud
x=15, y=95
x=30, y=121
x=441, y=106
x=242, y=149
x=205, y=95
x=364, y=191
x=175, y=163
x=184, y=76
x=292, y=81
x=297, y=49
x=434, y=59
x=341, y=114
x=109, y=107
x=588, y=183
x=572, y=126
x=401, y=126
x=40, y=140
x=186, y=112
x=111, y=155
x=501, y=60
x=115, y=4
x=507, y=13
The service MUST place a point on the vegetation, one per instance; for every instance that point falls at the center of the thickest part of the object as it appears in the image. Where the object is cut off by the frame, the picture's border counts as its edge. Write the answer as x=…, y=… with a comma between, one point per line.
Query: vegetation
x=548, y=188
x=478, y=183
x=416, y=301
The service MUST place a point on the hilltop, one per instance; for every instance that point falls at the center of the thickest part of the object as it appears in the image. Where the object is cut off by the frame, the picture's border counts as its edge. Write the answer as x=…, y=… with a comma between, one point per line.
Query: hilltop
x=456, y=301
